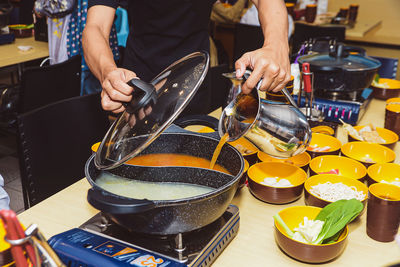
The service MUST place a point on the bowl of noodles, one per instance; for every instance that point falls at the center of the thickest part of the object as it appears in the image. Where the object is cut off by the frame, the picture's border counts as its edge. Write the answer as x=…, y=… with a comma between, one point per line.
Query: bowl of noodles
x=323, y=189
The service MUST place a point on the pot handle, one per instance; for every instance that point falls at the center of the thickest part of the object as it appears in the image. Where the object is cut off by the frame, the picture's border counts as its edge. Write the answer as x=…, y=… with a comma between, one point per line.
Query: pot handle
x=203, y=120
x=117, y=205
x=285, y=92
x=143, y=94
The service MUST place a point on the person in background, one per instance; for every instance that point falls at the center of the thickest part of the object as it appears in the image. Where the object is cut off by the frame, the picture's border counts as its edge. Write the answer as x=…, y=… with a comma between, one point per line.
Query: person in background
x=165, y=31
x=89, y=83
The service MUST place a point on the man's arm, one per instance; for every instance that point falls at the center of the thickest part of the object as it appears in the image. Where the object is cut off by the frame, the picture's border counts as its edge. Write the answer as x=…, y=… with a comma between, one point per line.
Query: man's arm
x=271, y=62
x=99, y=57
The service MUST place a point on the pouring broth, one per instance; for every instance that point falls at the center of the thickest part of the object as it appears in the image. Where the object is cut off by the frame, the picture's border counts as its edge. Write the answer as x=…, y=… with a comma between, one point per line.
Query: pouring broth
x=169, y=159
x=149, y=190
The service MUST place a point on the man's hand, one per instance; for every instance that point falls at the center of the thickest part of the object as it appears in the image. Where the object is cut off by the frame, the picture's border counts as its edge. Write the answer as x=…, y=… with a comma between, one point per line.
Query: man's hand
x=268, y=63
x=116, y=90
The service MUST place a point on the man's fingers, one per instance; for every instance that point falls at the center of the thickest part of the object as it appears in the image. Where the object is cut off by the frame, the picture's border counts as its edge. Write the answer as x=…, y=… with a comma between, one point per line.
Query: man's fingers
x=110, y=105
x=114, y=94
x=241, y=64
x=252, y=81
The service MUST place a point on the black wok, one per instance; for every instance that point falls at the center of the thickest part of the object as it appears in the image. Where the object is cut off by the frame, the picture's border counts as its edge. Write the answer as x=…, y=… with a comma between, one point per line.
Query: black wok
x=164, y=217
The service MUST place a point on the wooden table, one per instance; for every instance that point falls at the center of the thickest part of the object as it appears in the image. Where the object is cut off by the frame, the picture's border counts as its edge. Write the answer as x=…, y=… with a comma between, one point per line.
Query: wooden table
x=253, y=246
x=11, y=55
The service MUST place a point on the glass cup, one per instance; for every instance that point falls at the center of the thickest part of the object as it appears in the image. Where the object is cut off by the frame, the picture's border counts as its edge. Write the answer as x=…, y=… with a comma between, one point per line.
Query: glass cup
x=383, y=211
x=311, y=13
x=392, y=118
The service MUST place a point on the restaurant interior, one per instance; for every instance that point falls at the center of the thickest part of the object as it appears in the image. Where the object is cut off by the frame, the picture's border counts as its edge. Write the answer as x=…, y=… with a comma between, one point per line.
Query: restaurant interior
x=307, y=175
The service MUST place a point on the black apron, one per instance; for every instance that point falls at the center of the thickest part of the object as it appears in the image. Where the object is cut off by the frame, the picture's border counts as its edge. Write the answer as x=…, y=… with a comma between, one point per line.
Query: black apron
x=163, y=31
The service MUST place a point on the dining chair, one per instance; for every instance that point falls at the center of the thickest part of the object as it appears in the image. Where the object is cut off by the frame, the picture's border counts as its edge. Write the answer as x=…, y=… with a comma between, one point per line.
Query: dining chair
x=54, y=143
x=43, y=85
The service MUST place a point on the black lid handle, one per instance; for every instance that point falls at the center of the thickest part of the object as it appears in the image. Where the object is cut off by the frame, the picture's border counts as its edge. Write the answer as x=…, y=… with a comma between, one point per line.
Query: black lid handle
x=113, y=204
x=143, y=94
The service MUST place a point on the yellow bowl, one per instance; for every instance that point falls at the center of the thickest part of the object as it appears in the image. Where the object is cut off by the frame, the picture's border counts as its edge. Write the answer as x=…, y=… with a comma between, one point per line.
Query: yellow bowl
x=323, y=129
x=301, y=160
x=368, y=153
x=389, y=136
x=323, y=140
x=394, y=100
x=277, y=195
x=309, y=253
x=388, y=172
x=347, y=167
x=313, y=199
x=386, y=88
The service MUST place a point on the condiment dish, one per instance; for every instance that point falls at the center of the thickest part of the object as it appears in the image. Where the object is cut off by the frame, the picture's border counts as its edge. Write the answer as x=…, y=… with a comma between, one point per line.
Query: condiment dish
x=368, y=153
x=338, y=165
x=310, y=253
x=312, y=199
x=278, y=170
x=328, y=145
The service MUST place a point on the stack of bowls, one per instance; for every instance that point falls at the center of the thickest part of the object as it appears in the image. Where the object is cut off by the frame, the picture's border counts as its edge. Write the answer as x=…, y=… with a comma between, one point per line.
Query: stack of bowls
x=279, y=170
x=309, y=253
x=368, y=153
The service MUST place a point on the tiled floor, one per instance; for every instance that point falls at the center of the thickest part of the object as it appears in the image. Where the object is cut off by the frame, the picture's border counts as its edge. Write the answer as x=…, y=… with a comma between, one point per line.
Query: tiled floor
x=9, y=169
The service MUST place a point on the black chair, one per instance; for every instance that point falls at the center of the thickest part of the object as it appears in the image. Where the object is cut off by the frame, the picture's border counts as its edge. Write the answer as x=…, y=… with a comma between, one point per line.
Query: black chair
x=247, y=38
x=44, y=85
x=220, y=86
x=54, y=143
x=303, y=32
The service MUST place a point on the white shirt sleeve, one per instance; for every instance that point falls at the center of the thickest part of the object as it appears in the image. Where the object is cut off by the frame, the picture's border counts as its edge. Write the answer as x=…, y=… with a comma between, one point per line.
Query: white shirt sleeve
x=4, y=197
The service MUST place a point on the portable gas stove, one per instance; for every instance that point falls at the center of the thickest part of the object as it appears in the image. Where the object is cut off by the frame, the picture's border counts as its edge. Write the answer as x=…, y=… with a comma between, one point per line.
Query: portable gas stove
x=349, y=107
x=99, y=242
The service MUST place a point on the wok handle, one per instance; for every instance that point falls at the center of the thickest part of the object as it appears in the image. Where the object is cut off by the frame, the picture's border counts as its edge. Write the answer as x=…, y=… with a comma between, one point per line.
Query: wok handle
x=203, y=120
x=117, y=205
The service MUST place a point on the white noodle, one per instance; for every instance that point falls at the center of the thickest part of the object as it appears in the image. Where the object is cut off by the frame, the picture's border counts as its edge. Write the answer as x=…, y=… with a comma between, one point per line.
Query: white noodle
x=336, y=191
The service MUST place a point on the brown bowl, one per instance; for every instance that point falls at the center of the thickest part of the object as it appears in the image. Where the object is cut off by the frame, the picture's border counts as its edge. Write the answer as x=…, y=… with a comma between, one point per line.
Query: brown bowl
x=347, y=167
x=368, y=153
x=301, y=160
x=312, y=199
x=388, y=172
x=386, y=88
x=309, y=253
x=19, y=31
x=389, y=136
x=276, y=195
x=324, y=140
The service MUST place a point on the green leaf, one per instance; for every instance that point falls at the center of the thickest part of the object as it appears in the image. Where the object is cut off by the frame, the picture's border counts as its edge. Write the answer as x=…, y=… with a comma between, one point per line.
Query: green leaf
x=283, y=224
x=376, y=78
x=336, y=216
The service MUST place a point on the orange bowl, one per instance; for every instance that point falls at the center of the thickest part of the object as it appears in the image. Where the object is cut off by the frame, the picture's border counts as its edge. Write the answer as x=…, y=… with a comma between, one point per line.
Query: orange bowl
x=324, y=140
x=383, y=172
x=301, y=160
x=368, y=153
x=389, y=136
x=309, y=253
x=276, y=195
x=346, y=166
x=313, y=199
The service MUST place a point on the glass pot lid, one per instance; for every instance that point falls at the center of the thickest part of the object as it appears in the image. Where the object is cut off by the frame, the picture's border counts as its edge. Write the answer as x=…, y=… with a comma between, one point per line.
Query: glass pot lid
x=153, y=108
x=340, y=59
